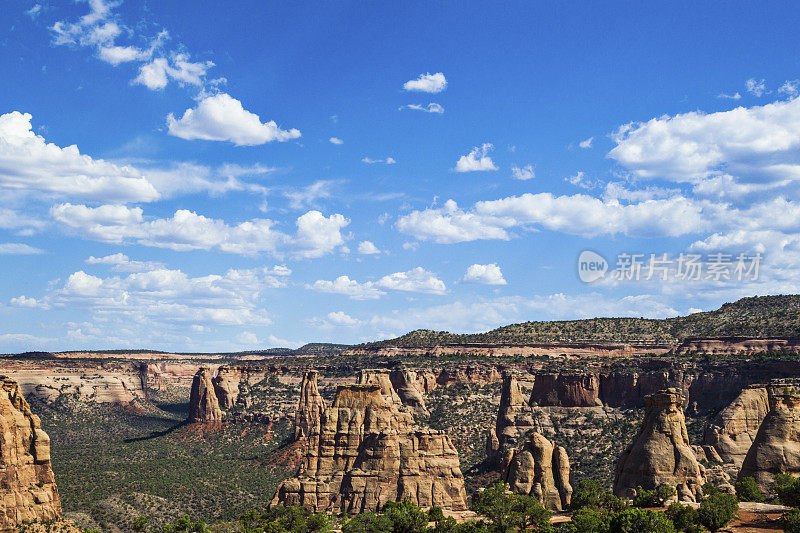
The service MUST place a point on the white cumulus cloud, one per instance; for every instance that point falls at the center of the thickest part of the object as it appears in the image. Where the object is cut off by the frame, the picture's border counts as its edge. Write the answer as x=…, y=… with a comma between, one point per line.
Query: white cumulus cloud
x=222, y=118
x=368, y=248
x=476, y=160
x=336, y=140
x=19, y=248
x=427, y=83
x=484, y=274
x=432, y=107
x=28, y=163
x=523, y=173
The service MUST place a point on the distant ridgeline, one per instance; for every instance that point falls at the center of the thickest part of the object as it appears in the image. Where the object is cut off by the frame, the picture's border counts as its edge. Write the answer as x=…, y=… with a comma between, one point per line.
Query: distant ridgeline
x=755, y=317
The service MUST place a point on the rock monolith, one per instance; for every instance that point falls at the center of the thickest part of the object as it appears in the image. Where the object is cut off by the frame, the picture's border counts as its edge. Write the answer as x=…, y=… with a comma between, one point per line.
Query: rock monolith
x=203, y=402
x=732, y=431
x=404, y=383
x=309, y=408
x=660, y=453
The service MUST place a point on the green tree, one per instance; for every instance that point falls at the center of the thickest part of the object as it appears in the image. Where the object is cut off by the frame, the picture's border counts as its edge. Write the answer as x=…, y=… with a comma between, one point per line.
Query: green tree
x=684, y=517
x=787, y=487
x=406, y=516
x=184, y=524
x=368, y=523
x=717, y=510
x=747, y=490
x=590, y=520
x=653, y=498
x=510, y=512
x=636, y=520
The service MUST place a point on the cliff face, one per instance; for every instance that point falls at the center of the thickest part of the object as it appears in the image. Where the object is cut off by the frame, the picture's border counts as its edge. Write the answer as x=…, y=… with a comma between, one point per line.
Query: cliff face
x=734, y=429
x=660, y=454
x=28, y=490
x=310, y=407
x=539, y=468
x=367, y=452
x=203, y=402
x=776, y=447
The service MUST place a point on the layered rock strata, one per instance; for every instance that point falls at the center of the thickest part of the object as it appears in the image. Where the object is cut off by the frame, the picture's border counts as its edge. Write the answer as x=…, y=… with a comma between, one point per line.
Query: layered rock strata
x=732, y=432
x=28, y=490
x=537, y=467
x=367, y=452
x=203, y=402
x=380, y=377
x=309, y=408
x=660, y=454
x=776, y=447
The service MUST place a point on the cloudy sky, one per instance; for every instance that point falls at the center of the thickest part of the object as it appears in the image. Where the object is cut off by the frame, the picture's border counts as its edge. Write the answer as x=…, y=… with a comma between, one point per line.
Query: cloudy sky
x=241, y=175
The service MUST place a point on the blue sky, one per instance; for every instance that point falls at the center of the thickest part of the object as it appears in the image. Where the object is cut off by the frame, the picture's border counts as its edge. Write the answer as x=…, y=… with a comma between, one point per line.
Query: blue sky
x=238, y=176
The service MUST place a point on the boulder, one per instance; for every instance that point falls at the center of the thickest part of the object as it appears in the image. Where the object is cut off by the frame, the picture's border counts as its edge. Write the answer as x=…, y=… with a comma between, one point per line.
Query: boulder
x=28, y=491
x=403, y=381
x=203, y=403
x=309, y=408
x=660, y=453
x=365, y=452
x=537, y=467
x=732, y=431
x=776, y=447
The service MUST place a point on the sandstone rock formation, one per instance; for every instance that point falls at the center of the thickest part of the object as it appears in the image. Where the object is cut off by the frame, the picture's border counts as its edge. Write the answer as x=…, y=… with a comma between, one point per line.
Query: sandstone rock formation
x=309, y=408
x=660, y=454
x=732, y=431
x=776, y=447
x=380, y=377
x=368, y=452
x=567, y=390
x=28, y=490
x=203, y=402
x=403, y=381
x=515, y=416
x=226, y=386
x=539, y=468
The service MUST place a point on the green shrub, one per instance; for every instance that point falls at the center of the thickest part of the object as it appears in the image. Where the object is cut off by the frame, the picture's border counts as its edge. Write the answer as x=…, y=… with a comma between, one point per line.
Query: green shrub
x=367, y=523
x=684, y=517
x=653, y=498
x=590, y=520
x=185, y=524
x=507, y=512
x=406, y=516
x=791, y=521
x=635, y=520
x=717, y=510
x=787, y=488
x=709, y=489
x=747, y=490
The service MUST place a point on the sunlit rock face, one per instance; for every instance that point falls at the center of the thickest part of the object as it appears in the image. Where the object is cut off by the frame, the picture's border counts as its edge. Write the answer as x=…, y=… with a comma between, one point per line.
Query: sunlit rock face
x=660, y=454
x=310, y=407
x=366, y=451
x=515, y=416
x=28, y=490
x=776, y=447
x=203, y=402
x=732, y=432
x=539, y=468
x=226, y=386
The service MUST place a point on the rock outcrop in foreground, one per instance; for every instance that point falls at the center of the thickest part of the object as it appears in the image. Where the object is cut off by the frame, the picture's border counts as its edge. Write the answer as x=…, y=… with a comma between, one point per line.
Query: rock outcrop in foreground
x=733, y=430
x=660, y=454
x=776, y=448
x=203, y=402
x=539, y=468
x=310, y=408
x=28, y=490
x=366, y=452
